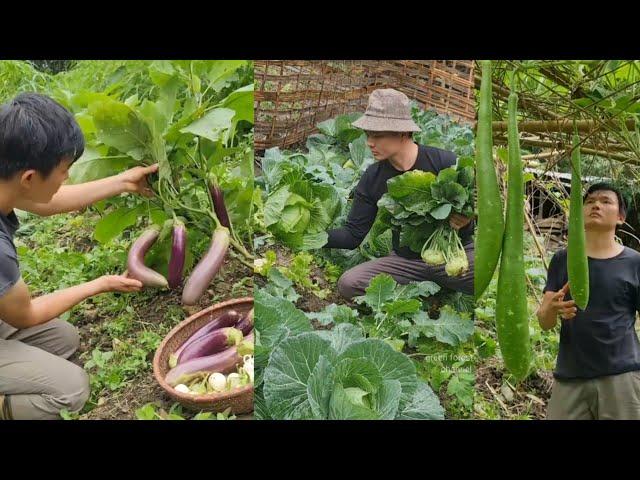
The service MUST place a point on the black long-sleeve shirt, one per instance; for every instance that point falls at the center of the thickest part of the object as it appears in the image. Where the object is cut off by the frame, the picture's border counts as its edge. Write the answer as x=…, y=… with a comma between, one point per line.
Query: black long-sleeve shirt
x=370, y=189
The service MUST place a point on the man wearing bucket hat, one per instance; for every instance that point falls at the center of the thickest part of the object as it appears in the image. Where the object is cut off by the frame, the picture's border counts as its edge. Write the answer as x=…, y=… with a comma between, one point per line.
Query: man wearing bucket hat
x=389, y=127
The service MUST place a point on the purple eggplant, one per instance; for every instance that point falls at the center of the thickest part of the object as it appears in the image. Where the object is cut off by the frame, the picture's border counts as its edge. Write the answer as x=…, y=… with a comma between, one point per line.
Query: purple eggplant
x=207, y=268
x=135, y=261
x=218, y=204
x=223, y=362
x=246, y=323
x=212, y=342
x=228, y=319
x=178, y=254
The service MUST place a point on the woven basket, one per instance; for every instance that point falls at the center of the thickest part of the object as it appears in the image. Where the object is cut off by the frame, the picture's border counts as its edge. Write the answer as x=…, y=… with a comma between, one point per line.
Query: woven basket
x=239, y=400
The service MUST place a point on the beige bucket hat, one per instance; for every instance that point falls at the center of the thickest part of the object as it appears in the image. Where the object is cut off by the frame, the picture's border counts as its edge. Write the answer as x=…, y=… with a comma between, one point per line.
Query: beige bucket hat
x=388, y=111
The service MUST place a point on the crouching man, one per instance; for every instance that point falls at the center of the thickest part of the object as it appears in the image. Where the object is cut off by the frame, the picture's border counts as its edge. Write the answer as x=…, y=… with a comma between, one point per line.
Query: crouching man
x=39, y=141
x=389, y=128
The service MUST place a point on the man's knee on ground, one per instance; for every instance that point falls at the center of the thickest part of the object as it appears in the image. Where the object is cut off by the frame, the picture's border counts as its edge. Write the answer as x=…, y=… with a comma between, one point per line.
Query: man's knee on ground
x=348, y=285
x=74, y=390
x=67, y=338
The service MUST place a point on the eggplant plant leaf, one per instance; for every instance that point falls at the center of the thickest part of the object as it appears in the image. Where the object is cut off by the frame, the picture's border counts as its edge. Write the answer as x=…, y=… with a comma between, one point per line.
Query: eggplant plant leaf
x=113, y=224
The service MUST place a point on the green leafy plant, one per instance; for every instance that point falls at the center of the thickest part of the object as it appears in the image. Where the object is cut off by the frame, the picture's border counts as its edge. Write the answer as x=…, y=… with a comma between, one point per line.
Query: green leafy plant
x=197, y=114
x=152, y=411
x=341, y=375
x=398, y=313
x=442, y=131
x=418, y=205
x=194, y=119
x=299, y=211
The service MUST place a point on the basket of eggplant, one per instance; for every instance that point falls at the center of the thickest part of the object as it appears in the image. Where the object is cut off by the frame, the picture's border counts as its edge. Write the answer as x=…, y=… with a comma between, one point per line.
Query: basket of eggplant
x=206, y=362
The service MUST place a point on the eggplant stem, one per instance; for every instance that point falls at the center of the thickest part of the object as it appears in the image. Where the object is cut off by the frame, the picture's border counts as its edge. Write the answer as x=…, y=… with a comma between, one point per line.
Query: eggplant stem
x=241, y=249
x=241, y=259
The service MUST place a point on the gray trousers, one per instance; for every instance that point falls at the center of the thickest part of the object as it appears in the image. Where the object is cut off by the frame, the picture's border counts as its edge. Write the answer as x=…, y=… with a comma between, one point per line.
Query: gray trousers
x=614, y=397
x=36, y=380
x=353, y=282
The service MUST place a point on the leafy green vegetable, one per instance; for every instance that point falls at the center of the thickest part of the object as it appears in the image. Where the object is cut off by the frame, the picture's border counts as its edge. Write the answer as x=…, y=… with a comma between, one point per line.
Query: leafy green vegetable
x=307, y=378
x=424, y=405
x=307, y=192
x=280, y=286
x=333, y=314
x=332, y=374
x=299, y=211
x=397, y=309
x=341, y=336
x=286, y=378
x=418, y=205
x=276, y=319
x=442, y=131
x=451, y=327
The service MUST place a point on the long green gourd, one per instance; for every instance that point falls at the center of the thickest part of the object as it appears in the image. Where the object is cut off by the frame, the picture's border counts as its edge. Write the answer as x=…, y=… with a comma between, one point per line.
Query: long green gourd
x=490, y=220
x=512, y=315
x=577, y=263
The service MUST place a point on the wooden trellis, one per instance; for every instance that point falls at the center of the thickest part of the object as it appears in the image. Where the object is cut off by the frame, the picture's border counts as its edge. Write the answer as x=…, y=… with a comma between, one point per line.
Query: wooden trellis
x=292, y=96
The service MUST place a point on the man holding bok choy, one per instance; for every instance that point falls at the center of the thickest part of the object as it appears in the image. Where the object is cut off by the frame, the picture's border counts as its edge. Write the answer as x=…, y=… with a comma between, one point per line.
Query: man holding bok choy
x=39, y=141
x=417, y=191
x=597, y=374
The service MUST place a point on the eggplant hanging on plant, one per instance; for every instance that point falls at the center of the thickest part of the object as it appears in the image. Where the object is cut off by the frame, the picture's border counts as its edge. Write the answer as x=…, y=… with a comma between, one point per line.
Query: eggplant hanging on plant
x=178, y=254
x=135, y=261
x=218, y=204
x=207, y=268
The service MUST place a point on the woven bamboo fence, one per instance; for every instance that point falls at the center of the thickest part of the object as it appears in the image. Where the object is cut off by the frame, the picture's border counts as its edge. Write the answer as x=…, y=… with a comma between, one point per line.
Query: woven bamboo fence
x=292, y=96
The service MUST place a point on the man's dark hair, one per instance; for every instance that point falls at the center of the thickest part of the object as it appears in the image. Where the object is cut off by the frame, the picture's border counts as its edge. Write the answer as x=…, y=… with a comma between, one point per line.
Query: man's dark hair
x=36, y=133
x=622, y=205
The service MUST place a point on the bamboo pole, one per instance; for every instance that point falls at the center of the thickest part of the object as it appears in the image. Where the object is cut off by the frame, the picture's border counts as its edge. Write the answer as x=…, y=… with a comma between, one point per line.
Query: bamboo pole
x=526, y=103
x=535, y=156
x=589, y=151
x=560, y=125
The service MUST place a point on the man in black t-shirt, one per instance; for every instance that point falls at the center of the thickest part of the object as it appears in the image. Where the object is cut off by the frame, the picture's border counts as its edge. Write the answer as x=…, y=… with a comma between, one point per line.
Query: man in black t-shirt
x=39, y=141
x=389, y=127
x=597, y=374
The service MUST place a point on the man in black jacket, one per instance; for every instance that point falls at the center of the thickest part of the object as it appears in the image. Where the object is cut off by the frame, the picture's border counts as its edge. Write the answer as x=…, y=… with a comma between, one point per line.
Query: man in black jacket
x=389, y=126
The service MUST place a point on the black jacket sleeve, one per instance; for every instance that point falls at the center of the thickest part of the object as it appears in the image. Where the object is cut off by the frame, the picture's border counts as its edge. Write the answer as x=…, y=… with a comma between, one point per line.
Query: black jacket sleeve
x=359, y=221
x=444, y=159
